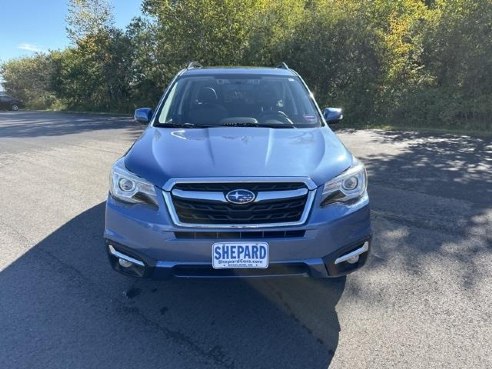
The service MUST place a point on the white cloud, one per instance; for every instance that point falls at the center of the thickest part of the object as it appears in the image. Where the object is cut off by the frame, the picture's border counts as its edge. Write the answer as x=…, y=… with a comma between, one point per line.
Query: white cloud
x=30, y=47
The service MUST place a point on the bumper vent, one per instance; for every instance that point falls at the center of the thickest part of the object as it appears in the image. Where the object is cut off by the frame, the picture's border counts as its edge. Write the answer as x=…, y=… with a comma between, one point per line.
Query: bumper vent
x=238, y=235
x=294, y=269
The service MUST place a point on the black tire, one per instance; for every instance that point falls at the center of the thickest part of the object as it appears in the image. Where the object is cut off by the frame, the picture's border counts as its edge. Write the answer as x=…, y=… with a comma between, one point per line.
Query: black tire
x=14, y=107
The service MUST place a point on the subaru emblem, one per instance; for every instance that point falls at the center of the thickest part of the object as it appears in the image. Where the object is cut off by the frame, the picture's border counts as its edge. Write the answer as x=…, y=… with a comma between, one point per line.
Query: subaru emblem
x=240, y=196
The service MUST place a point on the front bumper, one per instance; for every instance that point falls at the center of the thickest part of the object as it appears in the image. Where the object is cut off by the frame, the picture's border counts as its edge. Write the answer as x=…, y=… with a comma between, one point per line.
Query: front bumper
x=325, y=267
x=148, y=235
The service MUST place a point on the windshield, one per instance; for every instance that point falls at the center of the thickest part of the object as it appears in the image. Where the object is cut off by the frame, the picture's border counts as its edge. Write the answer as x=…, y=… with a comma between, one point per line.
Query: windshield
x=238, y=100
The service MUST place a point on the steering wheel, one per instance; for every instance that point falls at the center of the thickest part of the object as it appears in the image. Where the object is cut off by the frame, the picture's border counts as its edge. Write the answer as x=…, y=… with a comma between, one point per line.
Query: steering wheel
x=275, y=115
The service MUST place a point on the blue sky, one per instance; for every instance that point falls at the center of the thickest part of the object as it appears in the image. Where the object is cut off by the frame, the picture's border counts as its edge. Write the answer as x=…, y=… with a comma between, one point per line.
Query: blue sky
x=27, y=26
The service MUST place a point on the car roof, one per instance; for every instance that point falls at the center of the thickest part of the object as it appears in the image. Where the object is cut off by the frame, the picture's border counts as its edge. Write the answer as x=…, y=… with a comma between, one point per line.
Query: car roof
x=238, y=70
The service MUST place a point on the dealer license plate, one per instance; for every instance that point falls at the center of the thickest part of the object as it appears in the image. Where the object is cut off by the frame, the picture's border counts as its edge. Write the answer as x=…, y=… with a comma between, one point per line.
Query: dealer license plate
x=236, y=255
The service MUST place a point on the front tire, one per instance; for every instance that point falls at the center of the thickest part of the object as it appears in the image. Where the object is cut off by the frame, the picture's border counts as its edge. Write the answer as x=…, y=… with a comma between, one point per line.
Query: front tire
x=14, y=107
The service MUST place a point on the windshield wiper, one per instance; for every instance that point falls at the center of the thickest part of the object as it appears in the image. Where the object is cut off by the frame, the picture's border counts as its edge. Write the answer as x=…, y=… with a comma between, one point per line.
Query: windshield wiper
x=273, y=125
x=170, y=124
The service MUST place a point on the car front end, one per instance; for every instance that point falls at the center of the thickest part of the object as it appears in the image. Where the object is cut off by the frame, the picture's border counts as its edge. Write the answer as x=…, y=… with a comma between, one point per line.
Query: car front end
x=237, y=199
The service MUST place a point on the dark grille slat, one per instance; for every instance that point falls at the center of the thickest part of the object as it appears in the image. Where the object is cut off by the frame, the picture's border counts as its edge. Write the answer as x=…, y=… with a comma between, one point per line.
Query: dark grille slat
x=231, y=208
x=192, y=212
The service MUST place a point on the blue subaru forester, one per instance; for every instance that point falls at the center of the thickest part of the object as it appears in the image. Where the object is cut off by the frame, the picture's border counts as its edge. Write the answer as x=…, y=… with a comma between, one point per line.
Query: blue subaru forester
x=237, y=175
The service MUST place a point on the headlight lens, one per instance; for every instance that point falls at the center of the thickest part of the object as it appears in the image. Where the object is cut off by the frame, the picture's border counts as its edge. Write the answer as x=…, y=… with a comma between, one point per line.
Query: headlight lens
x=348, y=186
x=128, y=187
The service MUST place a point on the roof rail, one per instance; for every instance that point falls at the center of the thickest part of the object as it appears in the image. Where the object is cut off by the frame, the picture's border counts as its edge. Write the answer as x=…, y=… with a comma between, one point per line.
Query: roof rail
x=282, y=65
x=193, y=65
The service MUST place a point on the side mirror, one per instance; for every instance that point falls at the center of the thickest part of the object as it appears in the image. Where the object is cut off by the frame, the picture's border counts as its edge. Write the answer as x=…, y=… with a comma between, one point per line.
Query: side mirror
x=143, y=115
x=333, y=115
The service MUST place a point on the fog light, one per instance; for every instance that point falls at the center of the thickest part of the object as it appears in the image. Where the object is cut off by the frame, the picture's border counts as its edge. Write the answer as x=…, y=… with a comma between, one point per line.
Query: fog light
x=125, y=263
x=351, y=260
x=353, y=256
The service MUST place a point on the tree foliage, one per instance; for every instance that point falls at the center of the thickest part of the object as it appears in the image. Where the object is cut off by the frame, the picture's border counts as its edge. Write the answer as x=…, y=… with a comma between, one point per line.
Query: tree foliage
x=409, y=62
x=86, y=17
x=30, y=79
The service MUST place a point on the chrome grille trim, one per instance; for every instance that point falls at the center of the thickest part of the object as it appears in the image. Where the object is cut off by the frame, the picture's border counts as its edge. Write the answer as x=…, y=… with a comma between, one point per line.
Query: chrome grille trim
x=268, y=196
x=198, y=195
x=219, y=196
x=168, y=186
x=280, y=195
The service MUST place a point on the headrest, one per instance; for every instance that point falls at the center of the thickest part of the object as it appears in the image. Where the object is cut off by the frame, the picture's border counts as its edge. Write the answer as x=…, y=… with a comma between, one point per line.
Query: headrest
x=207, y=95
x=267, y=96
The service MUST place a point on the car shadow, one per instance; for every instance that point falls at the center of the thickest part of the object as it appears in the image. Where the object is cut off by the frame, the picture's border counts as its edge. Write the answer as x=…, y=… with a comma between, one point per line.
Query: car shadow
x=62, y=305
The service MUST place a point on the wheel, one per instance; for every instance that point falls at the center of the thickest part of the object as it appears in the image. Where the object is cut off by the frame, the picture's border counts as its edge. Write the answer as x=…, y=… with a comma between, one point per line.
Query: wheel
x=14, y=107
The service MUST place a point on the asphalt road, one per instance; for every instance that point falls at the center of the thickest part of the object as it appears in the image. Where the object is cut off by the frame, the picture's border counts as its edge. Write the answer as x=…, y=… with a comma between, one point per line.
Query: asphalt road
x=423, y=301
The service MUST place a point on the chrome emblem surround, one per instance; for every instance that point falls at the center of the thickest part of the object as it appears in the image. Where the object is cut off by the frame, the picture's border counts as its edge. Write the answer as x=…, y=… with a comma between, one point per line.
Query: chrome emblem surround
x=240, y=196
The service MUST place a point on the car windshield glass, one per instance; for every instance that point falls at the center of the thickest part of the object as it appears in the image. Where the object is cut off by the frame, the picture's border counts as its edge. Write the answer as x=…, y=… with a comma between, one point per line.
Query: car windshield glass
x=238, y=100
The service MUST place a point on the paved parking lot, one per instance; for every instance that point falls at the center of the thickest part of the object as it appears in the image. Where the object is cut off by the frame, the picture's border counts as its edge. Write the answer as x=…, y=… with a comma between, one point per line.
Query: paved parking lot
x=423, y=301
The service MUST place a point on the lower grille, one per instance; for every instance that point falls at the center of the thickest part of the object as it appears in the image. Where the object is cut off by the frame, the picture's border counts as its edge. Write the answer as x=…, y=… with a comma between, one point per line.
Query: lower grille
x=294, y=269
x=238, y=235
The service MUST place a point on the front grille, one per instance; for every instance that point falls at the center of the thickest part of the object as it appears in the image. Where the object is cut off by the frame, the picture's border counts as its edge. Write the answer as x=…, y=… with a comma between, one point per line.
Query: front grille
x=201, y=212
x=203, y=209
x=239, y=235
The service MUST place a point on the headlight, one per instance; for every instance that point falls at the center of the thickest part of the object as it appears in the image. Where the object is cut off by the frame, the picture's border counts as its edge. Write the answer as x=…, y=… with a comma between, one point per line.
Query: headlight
x=126, y=186
x=349, y=185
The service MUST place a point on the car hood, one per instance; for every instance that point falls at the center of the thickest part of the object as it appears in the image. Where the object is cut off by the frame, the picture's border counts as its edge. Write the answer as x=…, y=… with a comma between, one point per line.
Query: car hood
x=164, y=153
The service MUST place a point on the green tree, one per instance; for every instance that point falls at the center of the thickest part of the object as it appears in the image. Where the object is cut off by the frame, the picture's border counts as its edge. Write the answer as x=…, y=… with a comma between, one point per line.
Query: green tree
x=220, y=32
x=408, y=62
x=148, y=76
x=29, y=79
x=95, y=72
x=336, y=49
x=457, y=61
x=86, y=17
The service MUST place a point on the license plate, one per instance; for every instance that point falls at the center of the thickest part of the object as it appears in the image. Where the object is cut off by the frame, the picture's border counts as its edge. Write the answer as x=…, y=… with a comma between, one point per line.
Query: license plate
x=238, y=255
